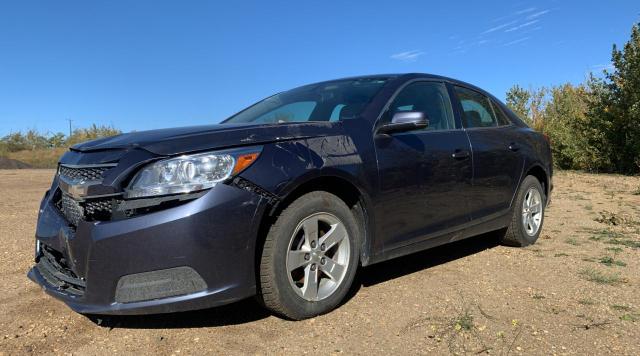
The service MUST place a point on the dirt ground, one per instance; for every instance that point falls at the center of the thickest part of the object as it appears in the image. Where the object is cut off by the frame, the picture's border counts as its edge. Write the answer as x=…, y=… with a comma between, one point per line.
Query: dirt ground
x=577, y=291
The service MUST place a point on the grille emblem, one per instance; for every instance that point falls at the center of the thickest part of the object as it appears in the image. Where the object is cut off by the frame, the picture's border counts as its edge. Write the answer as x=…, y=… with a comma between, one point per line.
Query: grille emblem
x=76, y=180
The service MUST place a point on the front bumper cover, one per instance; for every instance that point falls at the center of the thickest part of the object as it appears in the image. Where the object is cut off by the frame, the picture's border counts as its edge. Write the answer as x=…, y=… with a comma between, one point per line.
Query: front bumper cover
x=214, y=236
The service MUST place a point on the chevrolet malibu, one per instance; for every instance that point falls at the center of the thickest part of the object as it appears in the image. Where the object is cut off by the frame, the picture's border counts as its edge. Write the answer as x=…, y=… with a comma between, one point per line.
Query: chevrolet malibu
x=286, y=199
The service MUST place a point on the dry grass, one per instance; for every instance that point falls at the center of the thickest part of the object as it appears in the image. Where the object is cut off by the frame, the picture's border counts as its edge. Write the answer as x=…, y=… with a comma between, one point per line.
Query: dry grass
x=47, y=158
x=593, y=275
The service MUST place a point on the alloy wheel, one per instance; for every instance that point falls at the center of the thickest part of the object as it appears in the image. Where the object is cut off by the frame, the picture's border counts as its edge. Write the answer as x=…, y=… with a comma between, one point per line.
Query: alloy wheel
x=532, y=211
x=318, y=256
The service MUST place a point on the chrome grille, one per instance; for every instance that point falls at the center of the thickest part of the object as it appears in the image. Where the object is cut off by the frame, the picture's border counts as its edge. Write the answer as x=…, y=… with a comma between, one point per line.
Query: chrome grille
x=74, y=184
x=83, y=173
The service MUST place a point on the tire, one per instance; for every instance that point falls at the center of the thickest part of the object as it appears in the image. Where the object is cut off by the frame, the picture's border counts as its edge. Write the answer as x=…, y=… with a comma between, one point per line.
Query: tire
x=521, y=233
x=288, y=290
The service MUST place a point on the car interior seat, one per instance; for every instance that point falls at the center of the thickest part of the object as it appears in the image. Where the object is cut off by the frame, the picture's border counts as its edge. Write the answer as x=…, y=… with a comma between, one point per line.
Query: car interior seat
x=473, y=118
x=351, y=111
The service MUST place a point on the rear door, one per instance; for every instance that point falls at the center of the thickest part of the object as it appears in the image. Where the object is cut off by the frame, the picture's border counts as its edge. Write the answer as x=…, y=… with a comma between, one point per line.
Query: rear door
x=424, y=175
x=497, y=164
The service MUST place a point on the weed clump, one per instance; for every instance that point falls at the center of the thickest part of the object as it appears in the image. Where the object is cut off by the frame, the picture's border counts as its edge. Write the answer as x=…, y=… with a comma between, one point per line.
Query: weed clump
x=593, y=275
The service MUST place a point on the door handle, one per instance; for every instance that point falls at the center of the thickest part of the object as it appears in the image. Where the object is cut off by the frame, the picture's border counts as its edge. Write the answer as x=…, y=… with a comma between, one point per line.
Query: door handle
x=460, y=154
x=514, y=146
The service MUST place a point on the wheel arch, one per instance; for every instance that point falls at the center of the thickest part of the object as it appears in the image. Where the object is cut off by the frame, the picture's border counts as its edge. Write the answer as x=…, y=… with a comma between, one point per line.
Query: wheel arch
x=337, y=184
x=539, y=173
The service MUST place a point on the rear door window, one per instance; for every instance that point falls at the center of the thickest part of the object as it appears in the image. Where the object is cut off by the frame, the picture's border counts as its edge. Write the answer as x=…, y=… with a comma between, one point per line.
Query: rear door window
x=503, y=120
x=477, y=111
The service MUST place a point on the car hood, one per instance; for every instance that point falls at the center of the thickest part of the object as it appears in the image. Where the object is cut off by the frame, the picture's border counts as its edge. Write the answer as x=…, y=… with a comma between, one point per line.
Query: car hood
x=198, y=138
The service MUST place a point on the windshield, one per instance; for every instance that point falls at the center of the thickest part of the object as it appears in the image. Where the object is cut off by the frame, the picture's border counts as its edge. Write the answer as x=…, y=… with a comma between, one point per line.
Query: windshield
x=330, y=101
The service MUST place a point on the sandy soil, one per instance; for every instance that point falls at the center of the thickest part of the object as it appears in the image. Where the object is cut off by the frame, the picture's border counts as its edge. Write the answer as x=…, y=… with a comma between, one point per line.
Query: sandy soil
x=560, y=296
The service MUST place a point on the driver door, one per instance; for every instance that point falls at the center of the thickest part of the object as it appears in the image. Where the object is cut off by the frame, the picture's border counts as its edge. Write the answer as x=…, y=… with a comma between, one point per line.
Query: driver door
x=425, y=175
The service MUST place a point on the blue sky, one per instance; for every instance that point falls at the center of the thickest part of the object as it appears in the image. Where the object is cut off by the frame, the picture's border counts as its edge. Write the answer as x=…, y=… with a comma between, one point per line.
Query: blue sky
x=149, y=64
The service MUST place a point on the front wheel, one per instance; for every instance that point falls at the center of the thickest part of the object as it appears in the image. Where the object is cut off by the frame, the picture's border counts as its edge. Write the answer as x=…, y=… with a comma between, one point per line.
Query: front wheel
x=528, y=214
x=310, y=257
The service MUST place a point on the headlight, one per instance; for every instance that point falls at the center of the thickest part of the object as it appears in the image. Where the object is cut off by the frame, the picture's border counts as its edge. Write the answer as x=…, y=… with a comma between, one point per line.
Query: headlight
x=189, y=173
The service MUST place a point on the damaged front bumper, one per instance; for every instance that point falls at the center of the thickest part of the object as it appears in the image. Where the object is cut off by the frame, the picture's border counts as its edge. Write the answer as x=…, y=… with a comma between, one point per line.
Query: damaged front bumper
x=192, y=256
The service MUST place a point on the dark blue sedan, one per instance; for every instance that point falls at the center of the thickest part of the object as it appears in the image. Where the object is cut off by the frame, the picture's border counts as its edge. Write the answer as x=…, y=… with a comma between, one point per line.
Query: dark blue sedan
x=285, y=199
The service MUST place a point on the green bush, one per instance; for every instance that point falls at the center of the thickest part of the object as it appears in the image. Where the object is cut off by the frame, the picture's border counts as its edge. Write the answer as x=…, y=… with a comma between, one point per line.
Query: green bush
x=594, y=126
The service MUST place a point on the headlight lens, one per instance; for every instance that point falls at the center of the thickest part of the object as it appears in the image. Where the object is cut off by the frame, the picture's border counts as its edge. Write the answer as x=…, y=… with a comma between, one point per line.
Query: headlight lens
x=188, y=173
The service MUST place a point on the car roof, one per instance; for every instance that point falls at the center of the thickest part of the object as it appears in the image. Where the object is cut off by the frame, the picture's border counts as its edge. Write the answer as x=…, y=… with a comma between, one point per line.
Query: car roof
x=410, y=76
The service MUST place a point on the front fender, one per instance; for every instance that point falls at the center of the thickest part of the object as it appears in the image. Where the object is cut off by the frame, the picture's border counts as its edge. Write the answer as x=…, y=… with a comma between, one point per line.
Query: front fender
x=285, y=168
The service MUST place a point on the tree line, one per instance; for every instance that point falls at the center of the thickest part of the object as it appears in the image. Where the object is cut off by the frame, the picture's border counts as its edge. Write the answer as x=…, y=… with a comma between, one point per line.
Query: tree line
x=33, y=140
x=593, y=126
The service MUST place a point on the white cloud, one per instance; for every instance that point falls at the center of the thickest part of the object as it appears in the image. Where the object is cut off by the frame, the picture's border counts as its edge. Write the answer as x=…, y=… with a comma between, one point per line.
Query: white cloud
x=523, y=39
x=408, y=56
x=526, y=24
x=531, y=9
x=514, y=14
x=499, y=27
x=538, y=14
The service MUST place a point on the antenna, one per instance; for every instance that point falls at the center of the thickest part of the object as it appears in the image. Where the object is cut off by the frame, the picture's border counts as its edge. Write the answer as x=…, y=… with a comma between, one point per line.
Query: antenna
x=70, y=121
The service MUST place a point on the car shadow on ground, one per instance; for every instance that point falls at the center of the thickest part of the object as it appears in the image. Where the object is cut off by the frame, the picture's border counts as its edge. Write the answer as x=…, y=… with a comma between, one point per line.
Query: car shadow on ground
x=250, y=310
x=242, y=312
x=398, y=267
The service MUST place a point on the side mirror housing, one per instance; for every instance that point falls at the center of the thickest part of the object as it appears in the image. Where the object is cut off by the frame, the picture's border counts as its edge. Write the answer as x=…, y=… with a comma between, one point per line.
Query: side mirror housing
x=405, y=121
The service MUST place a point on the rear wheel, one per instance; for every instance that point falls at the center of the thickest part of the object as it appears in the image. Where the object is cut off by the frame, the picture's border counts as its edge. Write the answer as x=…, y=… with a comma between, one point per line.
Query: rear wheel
x=528, y=214
x=310, y=257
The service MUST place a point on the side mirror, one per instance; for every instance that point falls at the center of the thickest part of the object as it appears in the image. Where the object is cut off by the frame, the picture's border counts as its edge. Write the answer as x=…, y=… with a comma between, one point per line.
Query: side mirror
x=405, y=121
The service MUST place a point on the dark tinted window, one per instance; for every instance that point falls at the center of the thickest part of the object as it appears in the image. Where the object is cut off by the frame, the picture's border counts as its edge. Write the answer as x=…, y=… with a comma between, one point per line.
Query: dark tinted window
x=337, y=100
x=476, y=107
x=335, y=114
x=429, y=97
x=294, y=112
x=503, y=120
